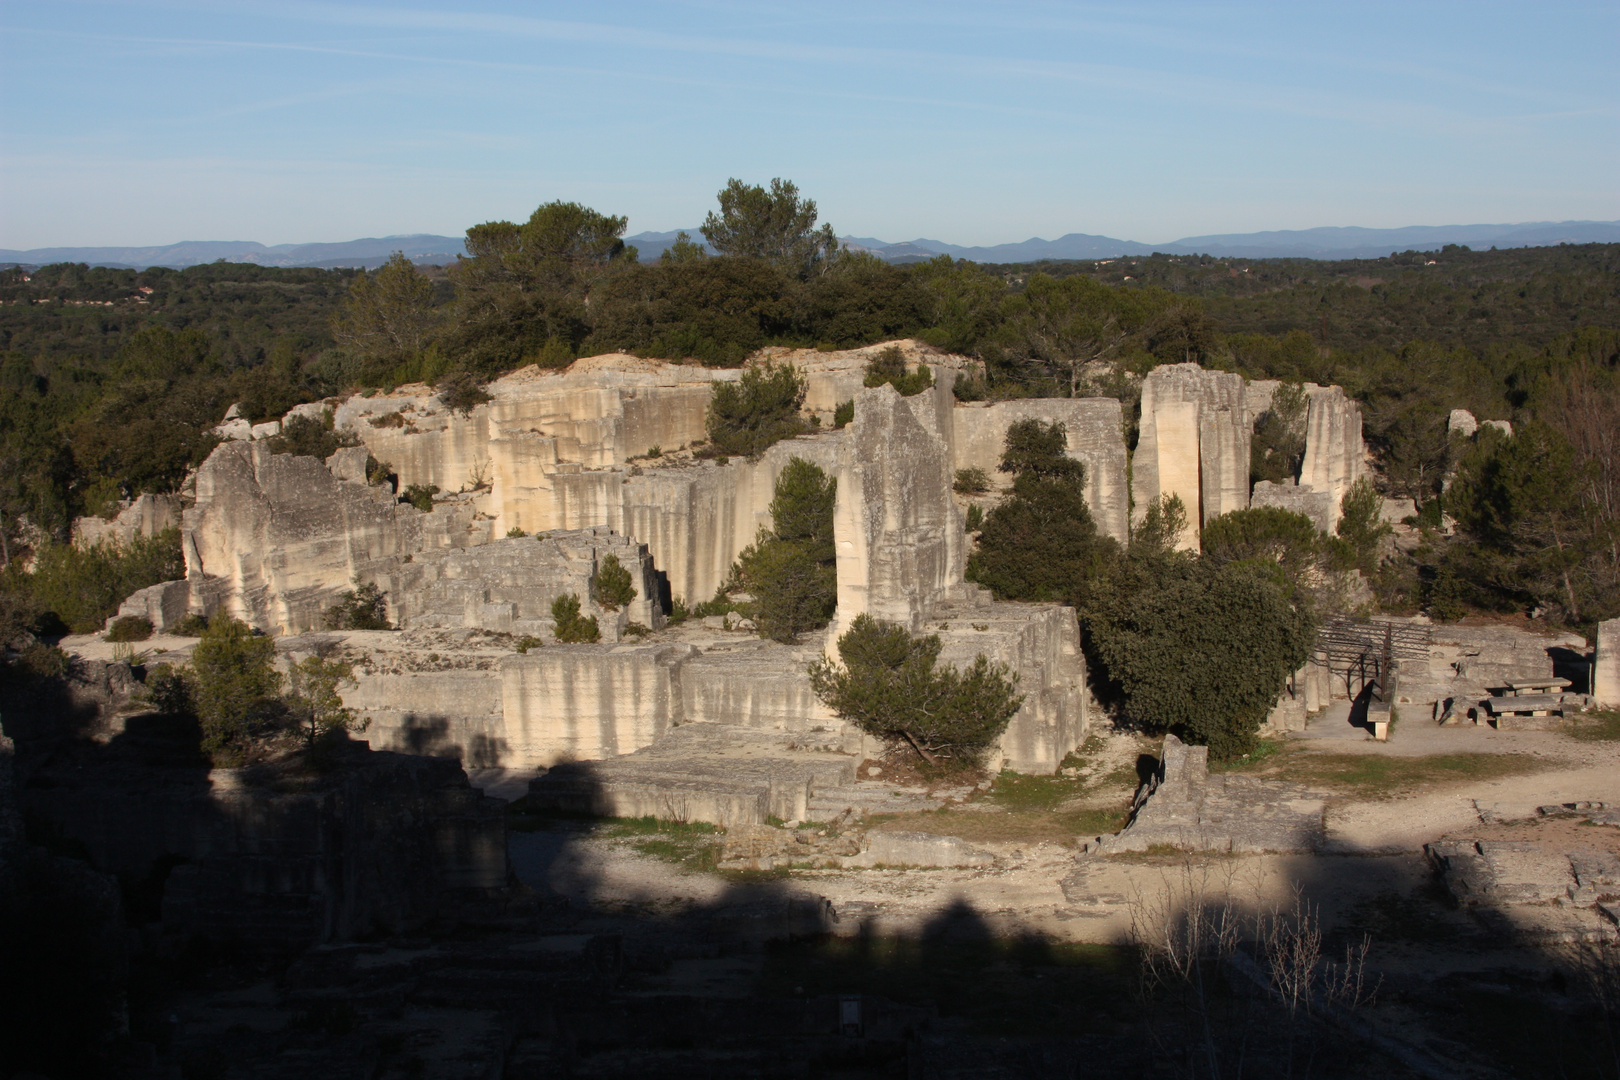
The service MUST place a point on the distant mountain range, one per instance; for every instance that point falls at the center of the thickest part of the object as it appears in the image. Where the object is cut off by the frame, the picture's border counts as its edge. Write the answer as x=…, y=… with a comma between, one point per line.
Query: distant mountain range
x=1348, y=242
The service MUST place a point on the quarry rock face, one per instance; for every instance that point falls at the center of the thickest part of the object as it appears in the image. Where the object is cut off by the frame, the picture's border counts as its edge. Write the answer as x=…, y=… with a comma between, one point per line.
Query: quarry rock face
x=898, y=533
x=1193, y=443
x=1335, y=456
x=561, y=457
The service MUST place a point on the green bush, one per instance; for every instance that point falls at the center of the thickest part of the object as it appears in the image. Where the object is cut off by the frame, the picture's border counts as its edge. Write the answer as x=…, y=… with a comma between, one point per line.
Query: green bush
x=129, y=628
x=975, y=517
x=1264, y=532
x=971, y=481
x=791, y=571
x=235, y=688
x=569, y=627
x=461, y=392
x=315, y=704
x=527, y=642
x=889, y=367
x=308, y=437
x=84, y=586
x=889, y=687
x=421, y=496
x=612, y=584
x=1040, y=543
x=365, y=607
x=192, y=625
x=844, y=414
x=1200, y=649
x=1361, y=524
x=750, y=416
x=380, y=472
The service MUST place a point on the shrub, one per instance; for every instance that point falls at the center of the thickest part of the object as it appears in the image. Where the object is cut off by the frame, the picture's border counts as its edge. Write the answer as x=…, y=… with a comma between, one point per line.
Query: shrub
x=192, y=625
x=421, y=496
x=971, y=481
x=461, y=392
x=515, y=533
x=1289, y=539
x=1361, y=523
x=308, y=437
x=315, y=704
x=235, y=687
x=844, y=414
x=570, y=628
x=612, y=584
x=655, y=451
x=975, y=518
x=889, y=366
x=365, y=607
x=527, y=642
x=129, y=628
x=889, y=687
x=637, y=630
x=1200, y=649
x=1040, y=543
x=752, y=415
x=380, y=472
x=967, y=388
x=84, y=586
x=791, y=571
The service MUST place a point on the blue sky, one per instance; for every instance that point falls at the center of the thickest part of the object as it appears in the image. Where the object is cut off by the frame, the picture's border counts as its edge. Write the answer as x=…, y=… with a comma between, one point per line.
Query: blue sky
x=153, y=122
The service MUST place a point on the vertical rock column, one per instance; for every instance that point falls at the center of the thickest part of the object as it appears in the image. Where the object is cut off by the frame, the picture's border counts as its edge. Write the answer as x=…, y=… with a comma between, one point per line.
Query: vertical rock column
x=1334, y=453
x=1194, y=443
x=1606, y=665
x=898, y=533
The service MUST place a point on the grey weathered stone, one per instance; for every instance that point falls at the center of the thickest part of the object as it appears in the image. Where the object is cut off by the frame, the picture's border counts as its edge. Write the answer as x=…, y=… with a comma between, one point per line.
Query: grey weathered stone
x=1298, y=499
x=1461, y=422
x=1186, y=808
x=1606, y=665
x=1335, y=455
x=918, y=849
x=698, y=772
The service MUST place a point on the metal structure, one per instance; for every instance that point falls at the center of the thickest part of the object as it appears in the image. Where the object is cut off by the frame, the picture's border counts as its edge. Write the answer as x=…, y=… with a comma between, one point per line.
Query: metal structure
x=1364, y=651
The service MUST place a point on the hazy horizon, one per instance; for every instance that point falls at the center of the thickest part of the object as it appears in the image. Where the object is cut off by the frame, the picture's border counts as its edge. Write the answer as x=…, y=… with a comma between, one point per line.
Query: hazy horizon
x=289, y=123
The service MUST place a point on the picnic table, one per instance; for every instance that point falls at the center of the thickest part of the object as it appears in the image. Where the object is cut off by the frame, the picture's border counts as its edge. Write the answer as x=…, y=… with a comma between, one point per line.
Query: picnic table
x=1540, y=685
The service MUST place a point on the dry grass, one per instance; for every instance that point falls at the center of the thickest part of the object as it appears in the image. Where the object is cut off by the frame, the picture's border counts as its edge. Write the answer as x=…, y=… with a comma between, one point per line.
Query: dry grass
x=1382, y=776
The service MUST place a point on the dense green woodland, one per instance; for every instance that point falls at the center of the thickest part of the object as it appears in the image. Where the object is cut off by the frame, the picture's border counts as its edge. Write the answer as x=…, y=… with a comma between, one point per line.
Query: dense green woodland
x=112, y=378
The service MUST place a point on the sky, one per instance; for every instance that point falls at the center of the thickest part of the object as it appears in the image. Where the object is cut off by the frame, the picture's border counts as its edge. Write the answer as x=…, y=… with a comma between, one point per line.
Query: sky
x=151, y=122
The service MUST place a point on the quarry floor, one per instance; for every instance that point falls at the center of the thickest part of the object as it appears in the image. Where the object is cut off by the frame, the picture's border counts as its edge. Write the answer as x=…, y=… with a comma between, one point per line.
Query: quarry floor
x=1385, y=801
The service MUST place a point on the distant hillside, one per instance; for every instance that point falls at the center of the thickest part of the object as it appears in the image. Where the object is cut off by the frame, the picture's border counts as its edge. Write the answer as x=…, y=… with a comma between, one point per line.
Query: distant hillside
x=1349, y=242
x=370, y=252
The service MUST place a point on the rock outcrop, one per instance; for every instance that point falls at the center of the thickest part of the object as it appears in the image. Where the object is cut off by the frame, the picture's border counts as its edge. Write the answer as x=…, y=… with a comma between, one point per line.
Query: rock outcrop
x=146, y=515
x=1606, y=665
x=1185, y=808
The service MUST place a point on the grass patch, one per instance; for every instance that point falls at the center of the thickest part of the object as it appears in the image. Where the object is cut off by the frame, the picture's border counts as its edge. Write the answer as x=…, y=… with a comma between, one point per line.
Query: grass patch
x=1017, y=986
x=1263, y=750
x=1381, y=775
x=1596, y=727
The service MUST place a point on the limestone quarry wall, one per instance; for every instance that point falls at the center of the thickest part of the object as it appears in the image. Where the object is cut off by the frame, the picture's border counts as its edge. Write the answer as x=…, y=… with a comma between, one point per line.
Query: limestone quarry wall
x=146, y=515
x=584, y=702
x=898, y=534
x=1095, y=431
x=1335, y=455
